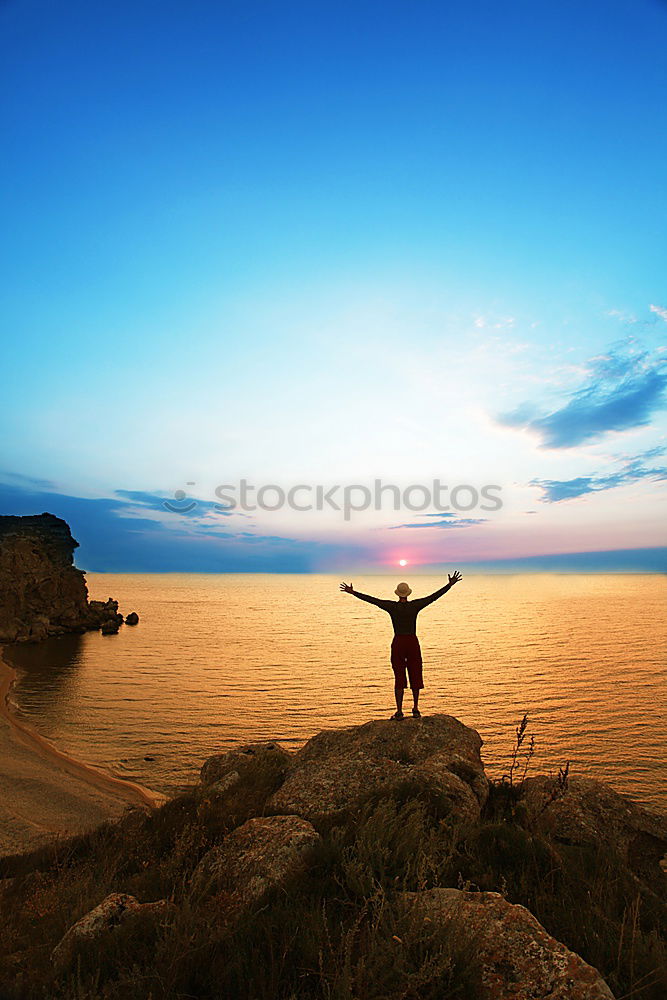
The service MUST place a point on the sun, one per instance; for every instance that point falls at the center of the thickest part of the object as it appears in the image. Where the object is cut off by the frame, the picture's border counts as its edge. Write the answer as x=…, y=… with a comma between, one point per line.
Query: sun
x=402, y=562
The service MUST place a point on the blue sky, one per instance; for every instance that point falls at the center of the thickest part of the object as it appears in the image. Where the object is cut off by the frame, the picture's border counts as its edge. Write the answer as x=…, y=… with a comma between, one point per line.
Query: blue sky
x=325, y=243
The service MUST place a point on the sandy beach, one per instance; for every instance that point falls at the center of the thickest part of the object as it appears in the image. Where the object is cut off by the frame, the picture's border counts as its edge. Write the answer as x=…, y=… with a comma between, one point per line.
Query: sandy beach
x=44, y=793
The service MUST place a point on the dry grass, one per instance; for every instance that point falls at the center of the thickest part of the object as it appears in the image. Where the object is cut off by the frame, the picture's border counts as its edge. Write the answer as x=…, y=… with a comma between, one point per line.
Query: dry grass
x=335, y=934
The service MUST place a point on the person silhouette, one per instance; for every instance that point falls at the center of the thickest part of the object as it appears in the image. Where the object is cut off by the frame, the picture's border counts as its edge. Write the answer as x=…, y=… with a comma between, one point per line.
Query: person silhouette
x=405, y=648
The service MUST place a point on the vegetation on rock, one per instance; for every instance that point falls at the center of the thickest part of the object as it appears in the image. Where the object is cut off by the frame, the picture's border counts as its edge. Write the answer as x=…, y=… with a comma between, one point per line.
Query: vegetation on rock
x=334, y=927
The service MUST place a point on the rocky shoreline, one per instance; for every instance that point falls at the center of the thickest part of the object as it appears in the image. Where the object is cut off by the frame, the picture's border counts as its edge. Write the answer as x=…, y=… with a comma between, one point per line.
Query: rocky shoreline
x=396, y=819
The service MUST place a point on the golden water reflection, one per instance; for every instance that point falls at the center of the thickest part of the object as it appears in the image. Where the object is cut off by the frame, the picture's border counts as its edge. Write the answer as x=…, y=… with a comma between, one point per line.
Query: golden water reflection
x=221, y=660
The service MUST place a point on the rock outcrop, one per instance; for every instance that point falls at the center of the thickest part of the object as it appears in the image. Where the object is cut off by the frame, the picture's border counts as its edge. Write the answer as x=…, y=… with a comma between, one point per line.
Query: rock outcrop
x=116, y=911
x=260, y=855
x=591, y=814
x=519, y=959
x=266, y=832
x=238, y=761
x=42, y=593
x=338, y=770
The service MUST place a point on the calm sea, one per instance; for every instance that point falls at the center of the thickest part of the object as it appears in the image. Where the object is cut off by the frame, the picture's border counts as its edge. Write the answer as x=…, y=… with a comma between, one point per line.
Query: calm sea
x=217, y=661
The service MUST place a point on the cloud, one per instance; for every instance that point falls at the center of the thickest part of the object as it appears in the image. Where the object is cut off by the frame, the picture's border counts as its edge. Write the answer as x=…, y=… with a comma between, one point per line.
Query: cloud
x=624, y=317
x=650, y=453
x=496, y=323
x=113, y=537
x=444, y=521
x=622, y=391
x=28, y=482
x=178, y=503
x=557, y=490
x=153, y=501
x=662, y=313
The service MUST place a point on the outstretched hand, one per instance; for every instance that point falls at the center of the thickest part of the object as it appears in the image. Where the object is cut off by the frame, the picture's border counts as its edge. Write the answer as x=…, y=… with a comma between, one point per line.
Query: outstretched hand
x=454, y=578
x=346, y=587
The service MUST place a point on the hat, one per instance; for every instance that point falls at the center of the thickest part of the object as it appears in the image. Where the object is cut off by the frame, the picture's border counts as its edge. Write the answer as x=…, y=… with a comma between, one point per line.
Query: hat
x=403, y=590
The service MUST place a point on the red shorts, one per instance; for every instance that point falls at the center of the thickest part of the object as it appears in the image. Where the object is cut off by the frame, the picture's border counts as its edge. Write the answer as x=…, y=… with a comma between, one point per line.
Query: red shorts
x=406, y=652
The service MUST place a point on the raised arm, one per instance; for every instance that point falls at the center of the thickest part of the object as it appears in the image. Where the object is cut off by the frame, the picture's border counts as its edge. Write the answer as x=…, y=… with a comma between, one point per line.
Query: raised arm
x=347, y=589
x=453, y=578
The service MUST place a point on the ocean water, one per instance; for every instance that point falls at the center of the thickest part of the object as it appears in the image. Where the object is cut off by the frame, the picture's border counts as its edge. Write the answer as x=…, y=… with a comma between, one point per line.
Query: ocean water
x=220, y=660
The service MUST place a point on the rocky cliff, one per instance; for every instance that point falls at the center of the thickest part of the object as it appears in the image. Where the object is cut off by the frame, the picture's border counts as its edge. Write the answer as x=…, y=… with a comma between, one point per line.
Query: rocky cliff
x=42, y=593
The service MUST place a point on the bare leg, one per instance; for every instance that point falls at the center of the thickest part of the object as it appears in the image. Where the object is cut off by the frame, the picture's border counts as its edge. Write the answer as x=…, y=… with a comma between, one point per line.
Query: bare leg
x=398, y=691
x=415, y=698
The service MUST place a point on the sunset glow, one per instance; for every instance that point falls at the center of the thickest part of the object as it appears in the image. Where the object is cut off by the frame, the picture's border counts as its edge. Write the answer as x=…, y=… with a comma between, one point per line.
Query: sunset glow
x=408, y=276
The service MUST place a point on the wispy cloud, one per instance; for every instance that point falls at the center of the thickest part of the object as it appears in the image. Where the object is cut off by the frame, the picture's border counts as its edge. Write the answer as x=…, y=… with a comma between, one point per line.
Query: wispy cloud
x=662, y=313
x=622, y=315
x=443, y=521
x=623, y=389
x=495, y=323
x=27, y=482
x=126, y=533
x=176, y=503
x=557, y=490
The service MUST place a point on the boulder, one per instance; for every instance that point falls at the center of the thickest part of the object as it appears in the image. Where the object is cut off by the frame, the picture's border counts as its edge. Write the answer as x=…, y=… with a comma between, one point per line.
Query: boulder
x=110, y=627
x=519, y=960
x=221, y=787
x=101, y=612
x=262, y=854
x=257, y=755
x=133, y=820
x=118, y=909
x=132, y=618
x=339, y=769
x=590, y=813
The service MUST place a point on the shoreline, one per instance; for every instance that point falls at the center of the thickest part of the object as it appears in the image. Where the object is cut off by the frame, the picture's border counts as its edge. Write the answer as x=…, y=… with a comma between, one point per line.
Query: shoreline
x=45, y=792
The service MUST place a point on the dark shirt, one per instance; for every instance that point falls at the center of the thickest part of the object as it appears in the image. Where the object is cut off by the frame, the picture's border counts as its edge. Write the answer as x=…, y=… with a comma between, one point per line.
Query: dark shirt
x=404, y=613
